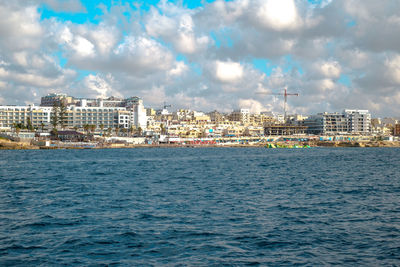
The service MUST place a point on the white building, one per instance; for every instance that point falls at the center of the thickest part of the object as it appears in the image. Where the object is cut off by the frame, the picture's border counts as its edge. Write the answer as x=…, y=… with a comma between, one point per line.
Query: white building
x=38, y=116
x=347, y=122
x=79, y=114
x=242, y=115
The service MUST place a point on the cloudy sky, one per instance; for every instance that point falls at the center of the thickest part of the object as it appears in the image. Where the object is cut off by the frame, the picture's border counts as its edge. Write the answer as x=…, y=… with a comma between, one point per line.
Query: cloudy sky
x=205, y=54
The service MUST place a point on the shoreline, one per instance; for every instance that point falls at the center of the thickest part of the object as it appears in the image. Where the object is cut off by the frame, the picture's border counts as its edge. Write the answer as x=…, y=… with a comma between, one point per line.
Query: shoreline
x=11, y=145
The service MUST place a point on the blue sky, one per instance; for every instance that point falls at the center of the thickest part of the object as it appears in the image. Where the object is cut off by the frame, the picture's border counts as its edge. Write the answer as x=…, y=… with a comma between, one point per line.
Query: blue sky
x=205, y=54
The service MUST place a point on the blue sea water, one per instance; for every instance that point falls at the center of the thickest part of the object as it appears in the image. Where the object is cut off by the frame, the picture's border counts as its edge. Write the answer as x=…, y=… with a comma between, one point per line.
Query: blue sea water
x=200, y=206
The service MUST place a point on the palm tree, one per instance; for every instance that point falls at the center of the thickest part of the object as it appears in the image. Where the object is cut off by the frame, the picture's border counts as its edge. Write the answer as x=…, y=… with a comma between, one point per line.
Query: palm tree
x=163, y=131
x=92, y=128
x=86, y=128
x=29, y=124
x=109, y=132
x=42, y=126
x=102, y=128
x=116, y=130
x=140, y=130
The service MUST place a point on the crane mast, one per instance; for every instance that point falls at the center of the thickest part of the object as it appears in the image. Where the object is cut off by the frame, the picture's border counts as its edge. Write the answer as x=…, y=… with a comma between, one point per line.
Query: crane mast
x=285, y=95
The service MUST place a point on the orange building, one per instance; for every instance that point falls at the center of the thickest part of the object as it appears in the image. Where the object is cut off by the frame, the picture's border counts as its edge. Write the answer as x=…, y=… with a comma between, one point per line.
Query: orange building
x=397, y=129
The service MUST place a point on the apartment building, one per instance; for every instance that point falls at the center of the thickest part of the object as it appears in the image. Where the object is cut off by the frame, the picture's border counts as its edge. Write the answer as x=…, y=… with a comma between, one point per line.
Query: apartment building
x=79, y=112
x=396, y=130
x=347, y=122
x=359, y=121
x=38, y=116
x=241, y=115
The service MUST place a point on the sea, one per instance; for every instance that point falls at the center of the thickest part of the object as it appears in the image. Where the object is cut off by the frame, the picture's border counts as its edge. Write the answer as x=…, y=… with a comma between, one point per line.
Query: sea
x=200, y=207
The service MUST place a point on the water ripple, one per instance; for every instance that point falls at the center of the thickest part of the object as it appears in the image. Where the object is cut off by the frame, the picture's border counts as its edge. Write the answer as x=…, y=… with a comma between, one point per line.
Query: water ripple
x=212, y=206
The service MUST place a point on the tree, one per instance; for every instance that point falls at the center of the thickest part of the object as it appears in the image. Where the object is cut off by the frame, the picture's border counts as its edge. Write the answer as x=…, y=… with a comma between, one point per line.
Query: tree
x=62, y=114
x=29, y=125
x=140, y=130
x=116, y=130
x=92, y=128
x=86, y=128
x=163, y=130
x=42, y=126
x=54, y=119
x=102, y=128
x=109, y=131
x=54, y=133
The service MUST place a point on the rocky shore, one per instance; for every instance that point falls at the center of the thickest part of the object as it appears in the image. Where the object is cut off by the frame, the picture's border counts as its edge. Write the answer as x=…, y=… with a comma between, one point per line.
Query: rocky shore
x=7, y=145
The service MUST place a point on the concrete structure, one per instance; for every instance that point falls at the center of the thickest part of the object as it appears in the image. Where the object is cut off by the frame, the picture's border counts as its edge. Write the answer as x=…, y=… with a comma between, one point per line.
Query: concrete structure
x=38, y=116
x=396, y=130
x=108, y=113
x=284, y=129
x=347, y=122
x=56, y=99
x=242, y=115
x=359, y=121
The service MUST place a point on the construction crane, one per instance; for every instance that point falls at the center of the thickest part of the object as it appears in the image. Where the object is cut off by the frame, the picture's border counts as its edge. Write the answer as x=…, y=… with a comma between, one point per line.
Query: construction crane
x=285, y=95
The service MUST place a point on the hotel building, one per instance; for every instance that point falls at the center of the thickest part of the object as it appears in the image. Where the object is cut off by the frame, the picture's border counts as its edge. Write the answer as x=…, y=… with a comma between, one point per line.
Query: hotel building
x=106, y=113
x=347, y=122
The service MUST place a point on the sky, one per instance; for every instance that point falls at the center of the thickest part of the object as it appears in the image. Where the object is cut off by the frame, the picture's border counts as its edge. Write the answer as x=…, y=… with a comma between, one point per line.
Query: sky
x=205, y=54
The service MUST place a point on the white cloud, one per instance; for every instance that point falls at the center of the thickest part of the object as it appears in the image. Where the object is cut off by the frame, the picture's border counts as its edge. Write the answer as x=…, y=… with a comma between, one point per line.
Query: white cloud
x=393, y=69
x=20, y=58
x=228, y=71
x=101, y=87
x=330, y=69
x=105, y=38
x=179, y=69
x=278, y=14
x=143, y=52
x=19, y=28
x=307, y=47
x=253, y=105
x=82, y=46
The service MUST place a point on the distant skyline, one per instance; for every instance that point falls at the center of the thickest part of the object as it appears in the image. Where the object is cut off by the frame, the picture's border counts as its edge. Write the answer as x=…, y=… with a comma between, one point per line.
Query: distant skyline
x=205, y=54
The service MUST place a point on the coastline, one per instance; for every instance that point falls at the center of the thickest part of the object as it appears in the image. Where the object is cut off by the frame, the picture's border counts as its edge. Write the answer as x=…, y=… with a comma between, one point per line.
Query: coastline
x=11, y=145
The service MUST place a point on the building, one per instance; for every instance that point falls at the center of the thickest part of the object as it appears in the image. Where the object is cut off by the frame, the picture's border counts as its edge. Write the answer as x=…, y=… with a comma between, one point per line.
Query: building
x=37, y=116
x=284, y=129
x=397, y=130
x=108, y=113
x=347, y=122
x=56, y=99
x=359, y=121
x=242, y=115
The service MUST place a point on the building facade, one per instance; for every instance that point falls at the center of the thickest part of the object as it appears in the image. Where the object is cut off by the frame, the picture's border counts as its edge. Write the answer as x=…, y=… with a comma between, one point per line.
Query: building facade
x=37, y=116
x=397, y=130
x=347, y=122
x=110, y=113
